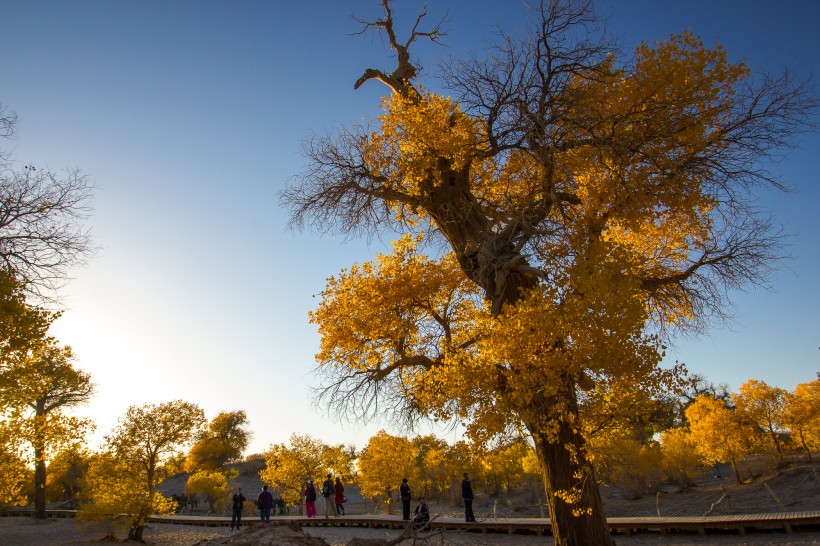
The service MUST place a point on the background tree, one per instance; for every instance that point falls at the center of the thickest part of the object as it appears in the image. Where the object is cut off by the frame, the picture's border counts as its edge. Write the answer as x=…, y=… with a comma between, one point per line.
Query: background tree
x=762, y=405
x=383, y=463
x=503, y=466
x=222, y=441
x=20, y=323
x=802, y=415
x=628, y=462
x=114, y=495
x=581, y=194
x=14, y=471
x=695, y=385
x=288, y=467
x=434, y=468
x=35, y=390
x=212, y=485
x=339, y=461
x=680, y=459
x=142, y=440
x=66, y=470
x=719, y=435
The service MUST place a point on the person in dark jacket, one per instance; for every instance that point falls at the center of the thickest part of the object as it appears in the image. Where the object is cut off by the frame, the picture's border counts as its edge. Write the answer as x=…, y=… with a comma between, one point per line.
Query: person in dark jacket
x=467, y=495
x=264, y=502
x=404, y=493
x=236, y=514
x=327, y=494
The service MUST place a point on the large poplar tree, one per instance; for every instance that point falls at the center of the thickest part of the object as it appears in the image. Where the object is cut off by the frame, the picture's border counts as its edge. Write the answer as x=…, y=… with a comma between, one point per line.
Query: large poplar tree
x=589, y=204
x=36, y=389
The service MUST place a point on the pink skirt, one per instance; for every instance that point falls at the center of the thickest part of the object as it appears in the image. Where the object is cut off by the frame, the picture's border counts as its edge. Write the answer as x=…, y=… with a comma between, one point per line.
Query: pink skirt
x=310, y=508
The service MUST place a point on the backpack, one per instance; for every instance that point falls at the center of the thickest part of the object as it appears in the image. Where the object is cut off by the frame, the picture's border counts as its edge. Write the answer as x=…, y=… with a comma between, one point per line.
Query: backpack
x=327, y=490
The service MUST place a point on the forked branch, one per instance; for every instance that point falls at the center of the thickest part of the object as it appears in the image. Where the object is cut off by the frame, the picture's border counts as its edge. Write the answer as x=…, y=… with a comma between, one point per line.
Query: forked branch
x=400, y=79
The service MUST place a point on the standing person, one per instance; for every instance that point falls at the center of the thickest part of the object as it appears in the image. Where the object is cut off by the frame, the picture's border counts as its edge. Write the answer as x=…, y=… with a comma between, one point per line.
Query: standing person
x=264, y=501
x=327, y=494
x=404, y=493
x=310, y=499
x=467, y=495
x=236, y=514
x=339, y=497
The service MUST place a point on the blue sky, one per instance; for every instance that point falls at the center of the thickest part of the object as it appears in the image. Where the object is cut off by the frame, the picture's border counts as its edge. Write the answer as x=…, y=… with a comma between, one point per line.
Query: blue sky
x=188, y=115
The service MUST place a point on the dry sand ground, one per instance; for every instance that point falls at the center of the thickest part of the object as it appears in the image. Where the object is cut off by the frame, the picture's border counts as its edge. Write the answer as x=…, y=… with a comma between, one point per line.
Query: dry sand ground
x=25, y=532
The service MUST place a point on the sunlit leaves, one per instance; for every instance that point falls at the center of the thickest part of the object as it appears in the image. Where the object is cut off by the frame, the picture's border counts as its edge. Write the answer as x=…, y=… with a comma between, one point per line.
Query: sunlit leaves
x=681, y=461
x=289, y=466
x=718, y=433
x=143, y=439
x=223, y=440
x=414, y=135
x=762, y=405
x=20, y=323
x=212, y=485
x=115, y=495
x=14, y=471
x=802, y=415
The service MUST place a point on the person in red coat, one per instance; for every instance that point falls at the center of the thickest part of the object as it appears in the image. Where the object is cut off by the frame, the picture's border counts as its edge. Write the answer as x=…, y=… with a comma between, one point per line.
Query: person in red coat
x=340, y=497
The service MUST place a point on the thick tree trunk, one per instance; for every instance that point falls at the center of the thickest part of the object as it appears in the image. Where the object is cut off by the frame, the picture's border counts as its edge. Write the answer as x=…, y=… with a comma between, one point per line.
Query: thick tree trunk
x=806, y=447
x=575, y=507
x=736, y=471
x=493, y=262
x=135, y=533
x=39, y=481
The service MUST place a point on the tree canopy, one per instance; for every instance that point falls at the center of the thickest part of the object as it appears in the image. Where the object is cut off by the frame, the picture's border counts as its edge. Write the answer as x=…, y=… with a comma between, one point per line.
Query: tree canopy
x=144, y=438
x=584, y=205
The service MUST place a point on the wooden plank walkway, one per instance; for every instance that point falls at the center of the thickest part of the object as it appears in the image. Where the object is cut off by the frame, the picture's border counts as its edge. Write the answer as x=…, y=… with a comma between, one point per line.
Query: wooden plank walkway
x=785, y=521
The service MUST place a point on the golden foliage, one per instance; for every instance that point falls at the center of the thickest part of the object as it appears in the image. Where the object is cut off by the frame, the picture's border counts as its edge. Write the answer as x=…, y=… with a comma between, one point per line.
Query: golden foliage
x=288, y=467
x=14, y=472
x=802, y=415
x=383, y=463
x=679, y=452
x=127, y=471
x=223, y=440
x=632, y=465
x=718, y=432
x=210, y=484
x=762, y=405
x=115, y=495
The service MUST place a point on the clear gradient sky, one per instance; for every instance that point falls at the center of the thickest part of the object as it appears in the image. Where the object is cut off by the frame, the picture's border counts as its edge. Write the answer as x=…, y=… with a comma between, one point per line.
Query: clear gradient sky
x=188, y=115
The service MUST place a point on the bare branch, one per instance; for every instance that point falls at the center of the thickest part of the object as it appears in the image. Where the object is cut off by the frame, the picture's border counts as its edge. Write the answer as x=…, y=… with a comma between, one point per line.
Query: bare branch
x=399, y=80
x=41, y=232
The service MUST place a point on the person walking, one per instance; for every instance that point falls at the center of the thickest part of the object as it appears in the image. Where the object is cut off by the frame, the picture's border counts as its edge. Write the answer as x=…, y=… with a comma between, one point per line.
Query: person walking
x=238, y=504
x=467, y=495
x=310, y=499
x=264, y=502
x=405, y=495
x=339, y=497
x=327, y=494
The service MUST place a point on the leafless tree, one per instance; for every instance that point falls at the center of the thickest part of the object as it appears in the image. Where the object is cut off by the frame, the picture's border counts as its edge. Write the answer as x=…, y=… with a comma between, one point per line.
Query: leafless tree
x=42, y=215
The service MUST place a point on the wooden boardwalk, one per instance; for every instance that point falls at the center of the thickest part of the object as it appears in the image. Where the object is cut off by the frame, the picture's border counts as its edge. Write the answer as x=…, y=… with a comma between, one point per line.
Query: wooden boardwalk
x=784, y=521
x=740, y=523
